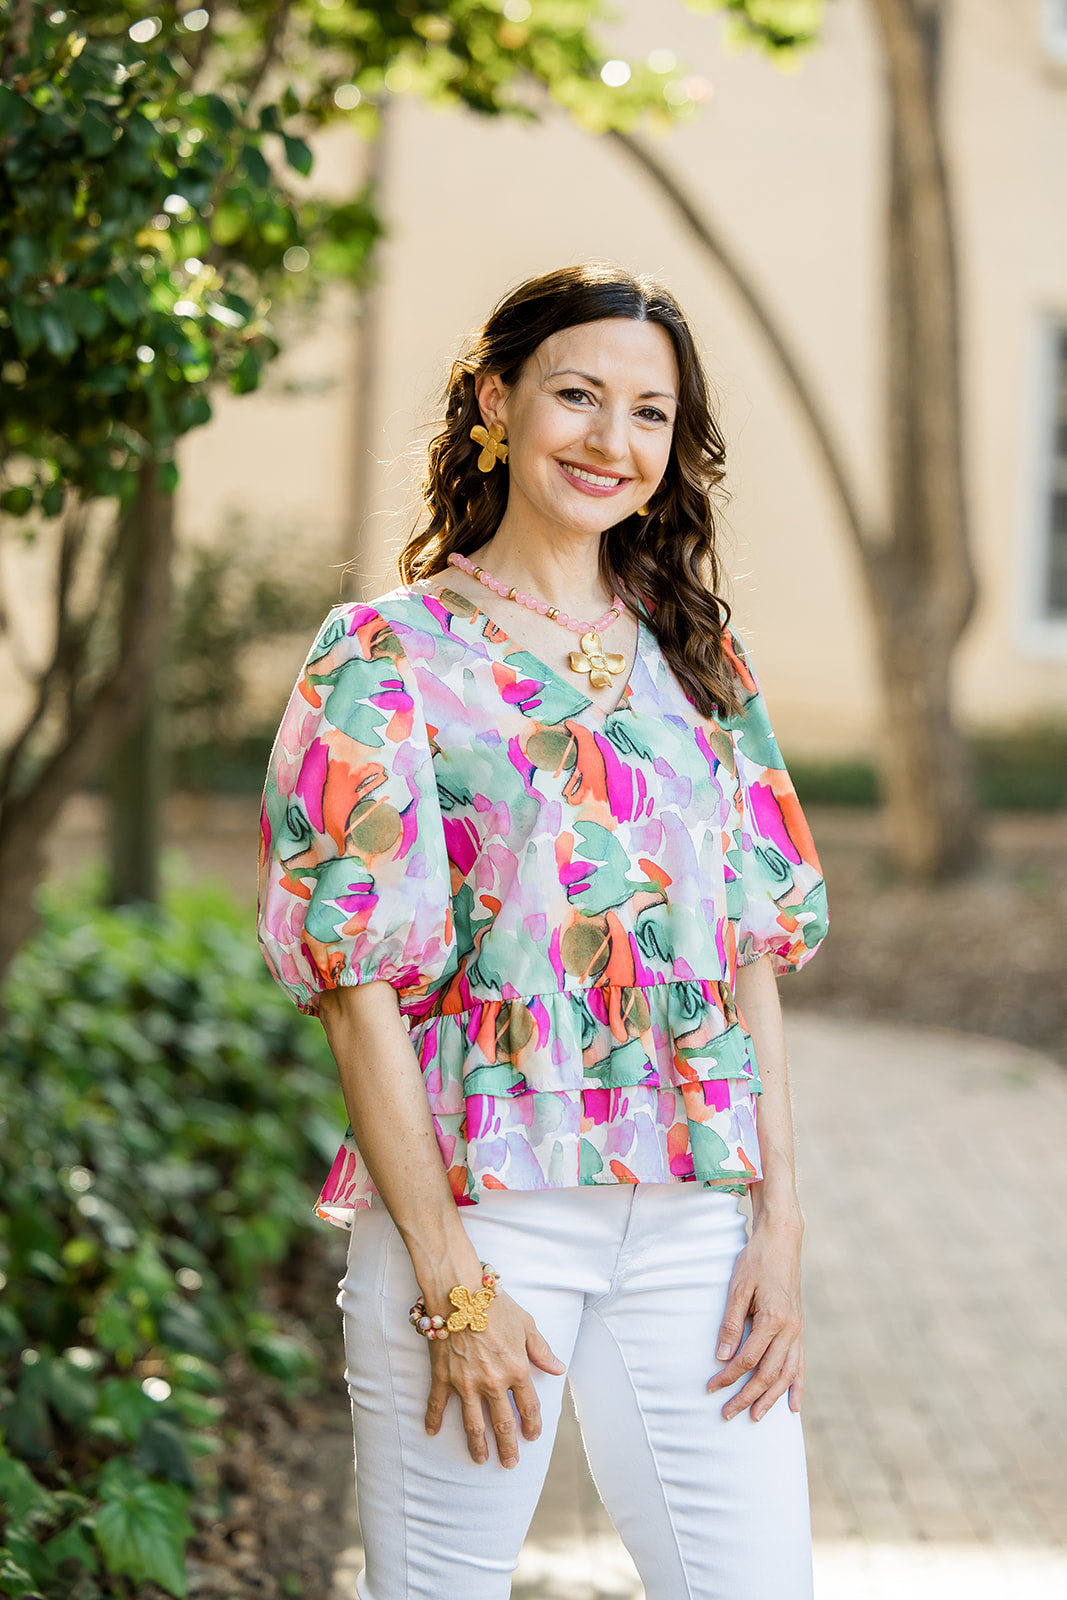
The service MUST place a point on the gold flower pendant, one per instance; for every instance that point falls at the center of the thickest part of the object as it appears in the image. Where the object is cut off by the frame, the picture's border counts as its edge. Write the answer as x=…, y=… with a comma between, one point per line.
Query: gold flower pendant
x=601, y=666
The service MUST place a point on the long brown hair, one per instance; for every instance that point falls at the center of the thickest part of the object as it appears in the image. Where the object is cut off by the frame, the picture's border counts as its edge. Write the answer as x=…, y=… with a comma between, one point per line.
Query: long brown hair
x=666, y=559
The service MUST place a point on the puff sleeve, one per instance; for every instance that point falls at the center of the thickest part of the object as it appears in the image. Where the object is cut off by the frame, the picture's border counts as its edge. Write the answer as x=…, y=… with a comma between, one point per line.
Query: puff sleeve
x=353, y=871
x=779, y=887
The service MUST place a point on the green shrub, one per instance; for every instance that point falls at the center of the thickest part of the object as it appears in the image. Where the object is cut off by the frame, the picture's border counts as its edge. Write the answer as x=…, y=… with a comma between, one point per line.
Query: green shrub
x=163, y=1111
x=835, y=783
x=1022, y=769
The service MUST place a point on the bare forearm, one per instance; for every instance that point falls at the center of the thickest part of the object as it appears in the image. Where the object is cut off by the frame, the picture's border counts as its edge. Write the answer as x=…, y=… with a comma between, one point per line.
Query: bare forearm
x=386, y=1101
x=775, y=1197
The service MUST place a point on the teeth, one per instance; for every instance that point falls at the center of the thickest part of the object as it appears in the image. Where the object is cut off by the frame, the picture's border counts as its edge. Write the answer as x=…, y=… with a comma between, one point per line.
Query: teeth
x=591, y=477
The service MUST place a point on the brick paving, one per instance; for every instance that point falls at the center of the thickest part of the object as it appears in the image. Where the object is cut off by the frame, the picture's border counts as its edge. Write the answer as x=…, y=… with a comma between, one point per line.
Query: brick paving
x=934, y=1184
x=935, y=1190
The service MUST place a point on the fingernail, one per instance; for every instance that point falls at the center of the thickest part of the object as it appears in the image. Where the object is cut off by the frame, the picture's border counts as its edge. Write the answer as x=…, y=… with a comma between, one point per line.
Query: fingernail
x=723, y=1352
x=510, y=1461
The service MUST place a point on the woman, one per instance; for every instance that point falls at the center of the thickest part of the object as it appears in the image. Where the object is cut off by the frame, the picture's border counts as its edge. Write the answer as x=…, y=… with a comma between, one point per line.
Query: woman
x=531, y=854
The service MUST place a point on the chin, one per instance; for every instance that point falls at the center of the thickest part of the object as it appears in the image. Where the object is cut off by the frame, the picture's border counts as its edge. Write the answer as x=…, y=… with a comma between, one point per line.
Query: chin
x=596, y=519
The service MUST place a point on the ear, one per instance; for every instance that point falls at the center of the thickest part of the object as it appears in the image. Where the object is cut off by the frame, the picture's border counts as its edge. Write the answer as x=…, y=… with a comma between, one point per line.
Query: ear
x=491, y=393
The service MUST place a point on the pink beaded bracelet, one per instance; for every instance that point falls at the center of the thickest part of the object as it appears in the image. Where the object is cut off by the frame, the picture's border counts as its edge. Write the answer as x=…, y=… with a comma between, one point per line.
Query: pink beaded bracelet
x=470, y=1309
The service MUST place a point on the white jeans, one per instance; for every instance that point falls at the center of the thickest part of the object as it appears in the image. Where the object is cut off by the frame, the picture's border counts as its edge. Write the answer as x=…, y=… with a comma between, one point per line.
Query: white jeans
x=628, y=1284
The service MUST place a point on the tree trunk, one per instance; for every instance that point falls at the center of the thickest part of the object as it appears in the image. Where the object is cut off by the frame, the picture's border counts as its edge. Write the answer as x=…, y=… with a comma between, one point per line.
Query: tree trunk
x=92, y=730
x=921, y=580
x=927, y=778
x=136, y=790
x=918, y=573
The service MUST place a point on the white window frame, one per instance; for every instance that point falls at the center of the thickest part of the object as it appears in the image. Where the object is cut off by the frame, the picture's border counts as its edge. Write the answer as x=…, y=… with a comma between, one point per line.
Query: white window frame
x=1054, y=29
x=1040, y=634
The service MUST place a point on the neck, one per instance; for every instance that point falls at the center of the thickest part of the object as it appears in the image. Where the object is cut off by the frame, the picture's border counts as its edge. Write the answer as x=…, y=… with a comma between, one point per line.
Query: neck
x=562, y=569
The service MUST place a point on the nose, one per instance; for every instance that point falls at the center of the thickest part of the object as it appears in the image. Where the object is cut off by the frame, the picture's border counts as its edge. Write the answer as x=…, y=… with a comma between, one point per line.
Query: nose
x=607, y=434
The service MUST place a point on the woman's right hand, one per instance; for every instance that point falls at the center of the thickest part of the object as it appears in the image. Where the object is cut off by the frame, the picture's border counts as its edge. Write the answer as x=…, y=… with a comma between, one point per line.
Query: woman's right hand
x=481, y=1369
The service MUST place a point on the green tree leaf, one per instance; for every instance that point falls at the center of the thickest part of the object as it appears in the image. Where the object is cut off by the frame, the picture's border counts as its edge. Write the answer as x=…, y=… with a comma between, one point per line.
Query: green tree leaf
x=161, y=1451
x=70, y=1391
x=255, y=165
x=27, y=1554
x=86, y=316
x=59, y=336
x=121, y=300
x=73, y=1544
x=298, y=154
x=98, y=132
x=26, y=323
x=14, y=112
x=53, y=499
x=24, y=1499
x=17, y=501
x=27, y=256
x=142, y=1527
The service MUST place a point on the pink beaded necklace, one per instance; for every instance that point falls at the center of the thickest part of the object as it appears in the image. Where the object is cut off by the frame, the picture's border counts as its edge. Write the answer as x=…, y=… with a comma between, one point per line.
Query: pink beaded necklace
x=591, y=656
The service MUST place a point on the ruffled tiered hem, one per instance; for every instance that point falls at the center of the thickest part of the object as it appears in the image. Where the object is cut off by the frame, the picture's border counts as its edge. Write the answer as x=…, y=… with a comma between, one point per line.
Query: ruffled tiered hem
x=588, y=1086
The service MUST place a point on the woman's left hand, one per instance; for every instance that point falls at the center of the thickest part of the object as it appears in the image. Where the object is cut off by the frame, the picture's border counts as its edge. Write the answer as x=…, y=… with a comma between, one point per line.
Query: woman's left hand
x=766, y=1287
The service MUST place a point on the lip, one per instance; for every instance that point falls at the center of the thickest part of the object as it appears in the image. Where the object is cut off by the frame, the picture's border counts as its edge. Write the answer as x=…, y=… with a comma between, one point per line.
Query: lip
x=597, y=491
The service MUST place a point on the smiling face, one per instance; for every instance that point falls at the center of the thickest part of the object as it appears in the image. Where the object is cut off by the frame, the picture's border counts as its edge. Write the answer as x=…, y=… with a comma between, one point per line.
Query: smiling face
x=589, y=424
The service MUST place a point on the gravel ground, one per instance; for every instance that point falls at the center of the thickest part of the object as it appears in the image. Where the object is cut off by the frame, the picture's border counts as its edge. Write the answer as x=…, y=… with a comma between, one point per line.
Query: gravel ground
x=987, y=954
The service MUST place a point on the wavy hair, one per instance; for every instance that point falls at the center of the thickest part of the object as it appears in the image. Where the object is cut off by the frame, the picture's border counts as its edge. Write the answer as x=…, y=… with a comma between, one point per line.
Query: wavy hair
x=667, y=559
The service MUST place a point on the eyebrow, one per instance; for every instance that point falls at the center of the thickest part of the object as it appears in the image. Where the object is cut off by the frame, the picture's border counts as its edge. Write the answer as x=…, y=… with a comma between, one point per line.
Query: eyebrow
x=598, y=383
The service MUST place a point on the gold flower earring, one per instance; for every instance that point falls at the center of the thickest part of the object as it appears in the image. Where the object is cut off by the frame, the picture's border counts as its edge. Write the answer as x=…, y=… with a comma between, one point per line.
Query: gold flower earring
x=642, y=511
x=493, y=447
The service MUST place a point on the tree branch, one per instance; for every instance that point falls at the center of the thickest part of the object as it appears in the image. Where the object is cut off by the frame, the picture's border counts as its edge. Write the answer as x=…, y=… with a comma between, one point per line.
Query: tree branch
x=271, y=45
x=112, y=708
x=863, y=535
x=198, y=54
x=63, y=664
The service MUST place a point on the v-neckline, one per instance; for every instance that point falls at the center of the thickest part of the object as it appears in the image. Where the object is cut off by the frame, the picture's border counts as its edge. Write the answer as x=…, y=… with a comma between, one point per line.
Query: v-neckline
x=501, y=645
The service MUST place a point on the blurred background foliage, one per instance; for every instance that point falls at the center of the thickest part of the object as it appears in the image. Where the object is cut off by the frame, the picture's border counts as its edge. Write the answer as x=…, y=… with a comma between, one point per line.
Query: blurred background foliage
x=164, y=1111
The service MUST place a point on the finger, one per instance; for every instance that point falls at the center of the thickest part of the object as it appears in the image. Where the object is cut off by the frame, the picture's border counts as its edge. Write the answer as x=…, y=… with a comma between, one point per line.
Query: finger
x=474, y=1428
x=766, y=1373
x=537, y=1349
x=435, y=1405
x=733, y=1323
x=529, y=1409
x=775, y=1392
x=502, y=1419
x=748, y=1356
x=796, y=1389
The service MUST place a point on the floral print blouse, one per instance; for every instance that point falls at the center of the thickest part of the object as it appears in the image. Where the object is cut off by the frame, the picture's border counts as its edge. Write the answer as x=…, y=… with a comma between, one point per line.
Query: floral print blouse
x=559, y=894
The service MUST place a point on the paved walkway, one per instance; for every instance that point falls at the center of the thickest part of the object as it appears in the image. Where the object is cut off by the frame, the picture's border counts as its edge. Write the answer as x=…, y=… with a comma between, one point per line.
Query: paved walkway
x=934, y=1181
